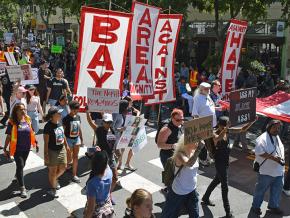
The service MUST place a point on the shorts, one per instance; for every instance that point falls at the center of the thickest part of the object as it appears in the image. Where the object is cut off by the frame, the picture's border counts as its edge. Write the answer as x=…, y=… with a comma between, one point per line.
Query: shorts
x=56, y=158
x=73, y=141
x=52, y=102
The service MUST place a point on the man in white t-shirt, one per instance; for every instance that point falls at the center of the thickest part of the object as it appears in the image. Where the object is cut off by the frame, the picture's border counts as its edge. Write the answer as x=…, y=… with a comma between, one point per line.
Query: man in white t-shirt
x=18, y=96
x=203, y=106
x=270, y=155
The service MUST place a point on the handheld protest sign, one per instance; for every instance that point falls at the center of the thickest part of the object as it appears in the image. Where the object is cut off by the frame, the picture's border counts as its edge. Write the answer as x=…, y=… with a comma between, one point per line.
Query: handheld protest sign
x=56, y=49
x=243, y=106
x=103, y=100
x=15, y=73
x=198, y=129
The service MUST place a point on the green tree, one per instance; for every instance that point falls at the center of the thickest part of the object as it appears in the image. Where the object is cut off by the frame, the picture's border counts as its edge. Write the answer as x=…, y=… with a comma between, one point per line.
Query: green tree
x=8, y=14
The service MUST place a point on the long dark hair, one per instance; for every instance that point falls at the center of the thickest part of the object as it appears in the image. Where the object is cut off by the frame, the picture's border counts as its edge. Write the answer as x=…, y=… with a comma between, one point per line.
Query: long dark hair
x=28, y=97
x=99, y=163
x=14, y=117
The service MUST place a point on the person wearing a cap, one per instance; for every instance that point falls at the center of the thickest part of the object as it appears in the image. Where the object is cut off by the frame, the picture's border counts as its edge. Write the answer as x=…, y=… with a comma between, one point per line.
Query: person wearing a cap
x=34, y=107
x=18, y=96
x=203, y=106
x=270, y=156
x=106, y=142
x=55, y=148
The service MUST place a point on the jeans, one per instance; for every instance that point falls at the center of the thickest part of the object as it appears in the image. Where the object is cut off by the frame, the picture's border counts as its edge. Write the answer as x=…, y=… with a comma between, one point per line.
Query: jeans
x=34, y=116
x=175, y=202
x=20, y=158
x=263, y=184
x=164, y=155
x=221, y=165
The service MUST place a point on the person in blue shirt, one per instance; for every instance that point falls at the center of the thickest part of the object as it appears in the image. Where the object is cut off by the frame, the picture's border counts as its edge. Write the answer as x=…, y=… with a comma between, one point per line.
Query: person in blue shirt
x=98, y=187
x=184, y=93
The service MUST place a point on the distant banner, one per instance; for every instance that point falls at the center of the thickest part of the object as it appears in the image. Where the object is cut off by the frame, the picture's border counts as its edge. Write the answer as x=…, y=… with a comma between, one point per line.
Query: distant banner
x=198, y=129
x=231, y=55
x=165, y=42
x=142, y=39
x=104, y=40
x=103, y=100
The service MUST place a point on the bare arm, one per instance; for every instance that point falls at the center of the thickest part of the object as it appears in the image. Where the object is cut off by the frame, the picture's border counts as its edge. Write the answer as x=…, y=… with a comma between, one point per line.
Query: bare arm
x=270, y=157
x=48, y=93
x=40, y=108
x=162, y=138
x=182, y=159
x=81, y=136
x=136, y=111
x=90, y=121
x=91, y=202
x=7, y=141
x=220, y=136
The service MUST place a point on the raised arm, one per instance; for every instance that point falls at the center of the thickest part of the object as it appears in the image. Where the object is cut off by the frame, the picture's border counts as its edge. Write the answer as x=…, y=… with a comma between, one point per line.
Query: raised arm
x=91, y=122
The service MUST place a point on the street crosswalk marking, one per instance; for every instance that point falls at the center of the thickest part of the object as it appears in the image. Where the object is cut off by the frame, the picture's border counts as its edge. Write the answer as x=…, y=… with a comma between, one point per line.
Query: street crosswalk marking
x=72, y=199
x=156, y=162
x=133, y=181
x=11, y=210
x=152, y=134
x=33, y=161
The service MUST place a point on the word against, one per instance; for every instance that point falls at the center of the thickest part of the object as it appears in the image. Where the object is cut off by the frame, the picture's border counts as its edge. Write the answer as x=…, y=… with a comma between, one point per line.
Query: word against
x=198, y=129
x=242, y=106
x=103, y=100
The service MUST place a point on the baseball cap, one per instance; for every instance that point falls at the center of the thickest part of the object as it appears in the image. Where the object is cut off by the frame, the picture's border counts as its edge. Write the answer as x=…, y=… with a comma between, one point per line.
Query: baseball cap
x=108, y=117
x=53, y=110
x=27, y=87
x=21, y=89
x=205, y=85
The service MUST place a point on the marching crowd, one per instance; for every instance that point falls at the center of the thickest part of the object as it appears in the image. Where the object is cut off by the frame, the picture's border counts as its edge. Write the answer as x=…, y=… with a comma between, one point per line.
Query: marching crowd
x=27, y=106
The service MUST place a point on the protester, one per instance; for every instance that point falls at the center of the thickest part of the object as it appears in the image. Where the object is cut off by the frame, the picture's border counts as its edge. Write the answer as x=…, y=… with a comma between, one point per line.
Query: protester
x=169, y=135
x=286, y=188
x=131, y=109
x=106, y=141
x=55, y=149
x=139, y=205
x=1, y=102
x=7, y=88
x=18, y=96
x=216, y=97
x=98, y=188
x=34, y=107
x=193, y=78
x=74, y=137
x=20, y=137
x=62, y=104
x=56, y=87
x=184, y=71
x=204, y=106
x=270, y=158
x=184, y=93
x=183, y=190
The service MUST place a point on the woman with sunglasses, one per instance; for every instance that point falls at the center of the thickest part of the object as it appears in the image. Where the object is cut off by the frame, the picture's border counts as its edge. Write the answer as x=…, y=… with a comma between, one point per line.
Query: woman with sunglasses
x=106, y=142
x=20, y=137
x=33, y=106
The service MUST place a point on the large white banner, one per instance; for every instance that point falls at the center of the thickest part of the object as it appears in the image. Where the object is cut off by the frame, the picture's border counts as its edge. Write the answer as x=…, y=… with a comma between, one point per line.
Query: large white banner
x=165, y=42
x=142, y=39
x=231, y=55
x=104, y=40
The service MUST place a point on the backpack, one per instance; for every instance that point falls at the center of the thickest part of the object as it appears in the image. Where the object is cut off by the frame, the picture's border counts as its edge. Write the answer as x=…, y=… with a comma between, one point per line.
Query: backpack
x=168, y=175
x=160, y=126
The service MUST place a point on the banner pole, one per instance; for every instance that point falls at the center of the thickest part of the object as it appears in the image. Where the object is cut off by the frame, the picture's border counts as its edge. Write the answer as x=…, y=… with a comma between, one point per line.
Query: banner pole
x=110, y=5
x=169, y=11
x=159, y=114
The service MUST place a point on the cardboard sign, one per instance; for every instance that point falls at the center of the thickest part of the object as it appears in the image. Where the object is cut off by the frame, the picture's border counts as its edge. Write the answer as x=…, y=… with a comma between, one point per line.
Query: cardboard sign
x=165, y=42
x=198, y=129
x=142, y=38
x=243, y=106
x=104, y=42
x=103, y=100
x=231, y=55
x=133, y=126
x=19, y=72
x=56, y=49
x=34, y=80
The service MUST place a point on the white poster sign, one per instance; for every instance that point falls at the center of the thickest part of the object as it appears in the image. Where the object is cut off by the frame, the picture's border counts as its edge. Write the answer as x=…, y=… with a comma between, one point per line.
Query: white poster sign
x=142, y=39
x=104, y=41
x=140, y=140
x=14, y=73
x=103, y=100
x=34, y=80
x=165, y=42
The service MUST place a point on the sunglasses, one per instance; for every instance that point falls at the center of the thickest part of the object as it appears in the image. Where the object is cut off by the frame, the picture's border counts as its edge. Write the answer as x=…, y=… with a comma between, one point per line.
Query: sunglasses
x=178, y=120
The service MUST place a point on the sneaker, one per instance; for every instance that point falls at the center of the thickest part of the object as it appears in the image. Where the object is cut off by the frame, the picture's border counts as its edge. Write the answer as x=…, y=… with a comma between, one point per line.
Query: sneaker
x=76, y=179
x=23, y=193
x=204, y=163
x=276, y=211
x=286, y=192
x=52, y=192
x=256, y=211
x=57, y=186
x=207, y=201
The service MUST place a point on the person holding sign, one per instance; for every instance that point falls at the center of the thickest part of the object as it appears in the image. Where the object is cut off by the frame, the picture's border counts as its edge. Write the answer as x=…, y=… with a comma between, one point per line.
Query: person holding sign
x=106, y=141
x=221, y=156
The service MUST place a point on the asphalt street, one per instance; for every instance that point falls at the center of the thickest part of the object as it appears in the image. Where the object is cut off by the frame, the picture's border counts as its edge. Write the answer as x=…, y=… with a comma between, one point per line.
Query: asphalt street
x=148, y=175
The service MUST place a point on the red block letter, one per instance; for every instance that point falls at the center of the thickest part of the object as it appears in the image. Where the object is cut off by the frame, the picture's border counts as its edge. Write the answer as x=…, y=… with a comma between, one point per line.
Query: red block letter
x=146, y=18
x=143, y=33
x=96, y=60
x=141, y=57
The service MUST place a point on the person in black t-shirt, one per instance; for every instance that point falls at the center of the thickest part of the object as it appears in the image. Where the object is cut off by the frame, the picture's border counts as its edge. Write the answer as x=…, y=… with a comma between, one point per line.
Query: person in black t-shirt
x=55, y=148
x=73, y=134
x=6, y=94
x=56, y=87
x=106, y=141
